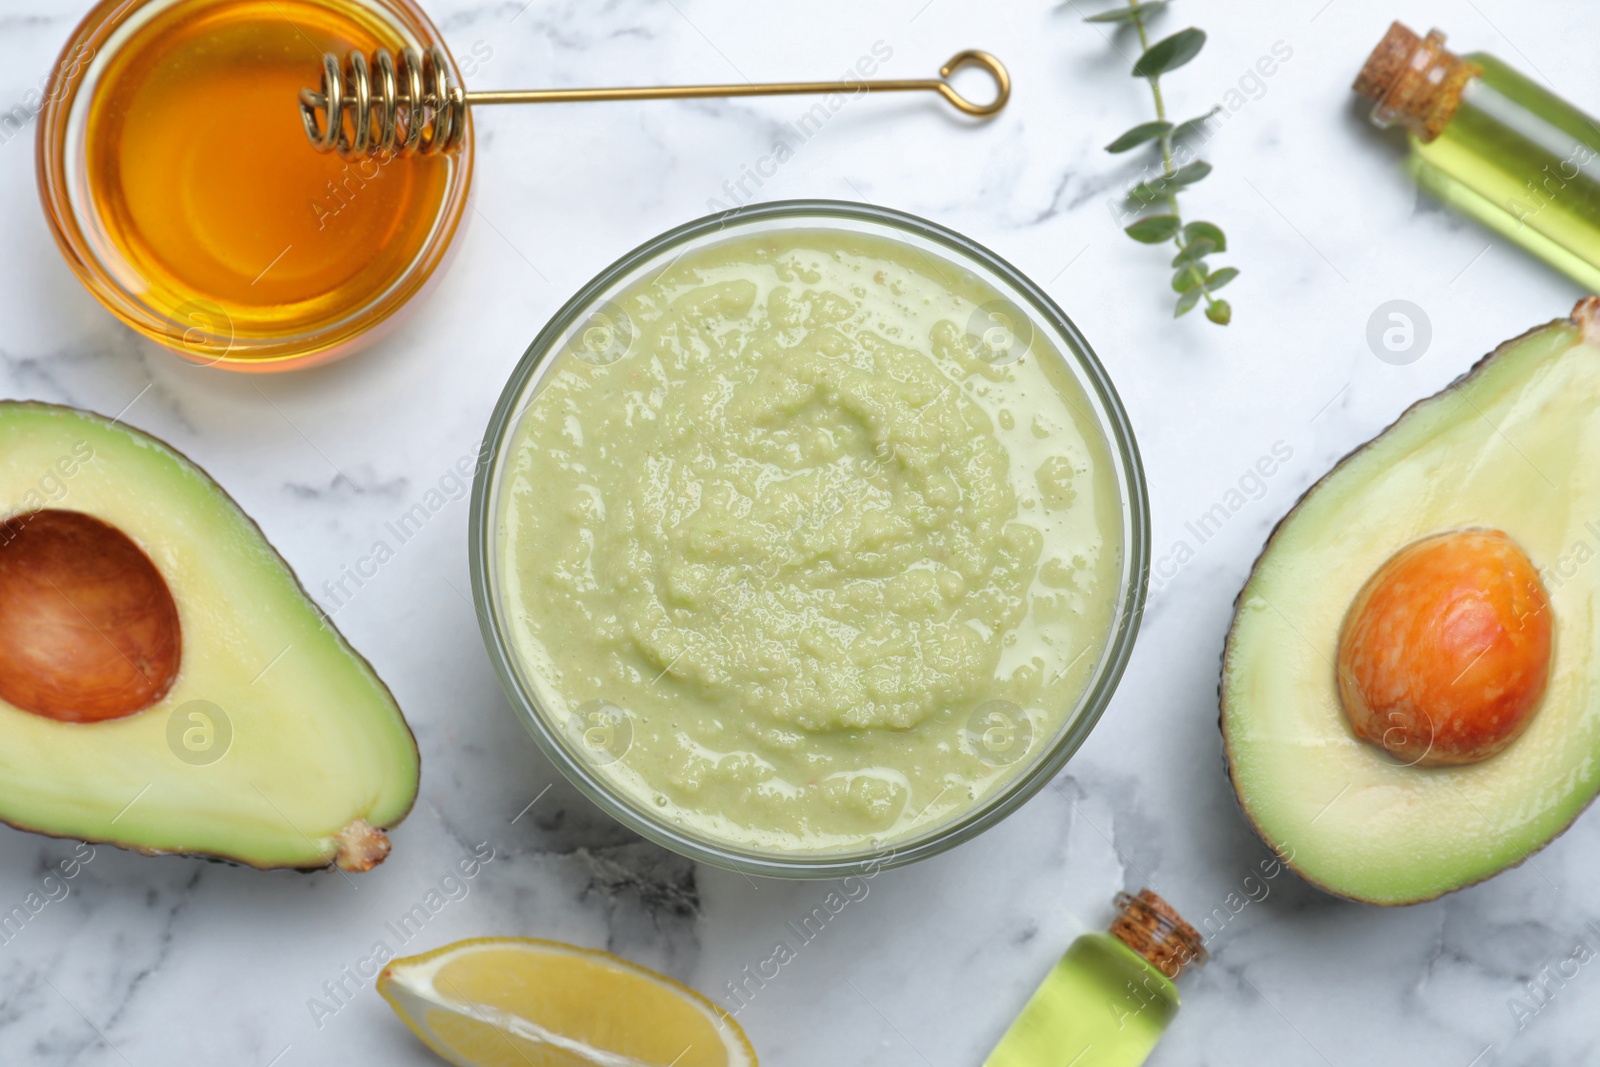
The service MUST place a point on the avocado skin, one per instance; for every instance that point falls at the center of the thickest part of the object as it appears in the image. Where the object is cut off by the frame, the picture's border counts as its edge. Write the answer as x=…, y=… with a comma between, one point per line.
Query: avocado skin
x=1586, y=308
x=217, y=856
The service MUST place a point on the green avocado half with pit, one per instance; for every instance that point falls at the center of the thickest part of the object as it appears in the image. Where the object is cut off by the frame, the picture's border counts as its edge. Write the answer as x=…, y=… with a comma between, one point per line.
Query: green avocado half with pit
x=166, y=685
x=1513, y=445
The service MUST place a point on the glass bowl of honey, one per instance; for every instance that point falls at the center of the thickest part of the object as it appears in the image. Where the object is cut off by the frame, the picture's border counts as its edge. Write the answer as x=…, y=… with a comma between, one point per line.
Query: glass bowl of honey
x=178, y=181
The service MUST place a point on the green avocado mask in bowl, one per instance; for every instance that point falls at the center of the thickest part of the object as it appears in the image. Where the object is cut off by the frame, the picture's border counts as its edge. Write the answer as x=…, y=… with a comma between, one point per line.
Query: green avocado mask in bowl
x=811, y=534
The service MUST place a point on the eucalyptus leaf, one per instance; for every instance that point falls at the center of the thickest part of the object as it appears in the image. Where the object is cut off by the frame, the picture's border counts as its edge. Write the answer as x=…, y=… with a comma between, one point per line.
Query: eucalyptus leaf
x=1217, y=279
x=1187, y=277
x=1205, y=231
x=1219, y=312
x=1154, y=229
x=1186, y=302
x=1170, y=53
x=1196, y=249
x=1156, y=188
x=1131, y=13
x=1193, y=126
x=1190, y=173
x=1143, y=133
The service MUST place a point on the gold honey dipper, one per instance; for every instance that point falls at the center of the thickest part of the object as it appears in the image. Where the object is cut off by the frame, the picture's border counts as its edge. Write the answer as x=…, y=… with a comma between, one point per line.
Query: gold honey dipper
x=378, y=106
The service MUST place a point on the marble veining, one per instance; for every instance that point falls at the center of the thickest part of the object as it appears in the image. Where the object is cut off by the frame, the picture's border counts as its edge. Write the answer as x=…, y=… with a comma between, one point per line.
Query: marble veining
x=136, y=961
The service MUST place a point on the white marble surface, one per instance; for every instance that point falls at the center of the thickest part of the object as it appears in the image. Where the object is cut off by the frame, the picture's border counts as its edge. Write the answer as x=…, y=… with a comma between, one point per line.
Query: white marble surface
x=153, y=961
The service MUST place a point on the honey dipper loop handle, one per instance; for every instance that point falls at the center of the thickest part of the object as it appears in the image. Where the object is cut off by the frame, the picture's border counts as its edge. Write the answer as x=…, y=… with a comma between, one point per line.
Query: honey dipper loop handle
x=974, y=57
x=411, y=106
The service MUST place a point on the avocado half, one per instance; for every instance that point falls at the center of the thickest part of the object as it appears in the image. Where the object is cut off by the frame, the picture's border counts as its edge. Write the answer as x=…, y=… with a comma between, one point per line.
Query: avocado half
x=1513, y=445
x=166, y=685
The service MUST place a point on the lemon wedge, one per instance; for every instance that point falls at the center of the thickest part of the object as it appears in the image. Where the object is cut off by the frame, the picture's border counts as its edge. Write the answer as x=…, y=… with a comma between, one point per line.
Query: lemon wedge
x=520, y=1002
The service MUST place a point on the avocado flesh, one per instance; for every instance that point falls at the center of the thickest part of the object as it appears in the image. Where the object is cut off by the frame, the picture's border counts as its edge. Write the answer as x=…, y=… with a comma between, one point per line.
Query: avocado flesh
x=1510, y=446
x=319, y=749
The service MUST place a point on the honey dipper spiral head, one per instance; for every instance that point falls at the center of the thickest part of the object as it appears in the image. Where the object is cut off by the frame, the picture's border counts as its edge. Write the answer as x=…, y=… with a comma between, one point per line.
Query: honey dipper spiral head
x=380, y=107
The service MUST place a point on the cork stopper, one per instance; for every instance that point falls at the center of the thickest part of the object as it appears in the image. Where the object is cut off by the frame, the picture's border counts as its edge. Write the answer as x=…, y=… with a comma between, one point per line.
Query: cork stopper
x=1152, y=928
x=1387, y=61
x=1415, y=81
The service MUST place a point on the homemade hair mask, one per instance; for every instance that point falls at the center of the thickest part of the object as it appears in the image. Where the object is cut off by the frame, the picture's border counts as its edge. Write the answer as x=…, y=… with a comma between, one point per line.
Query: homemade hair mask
x=176, y=175
x=808, y=543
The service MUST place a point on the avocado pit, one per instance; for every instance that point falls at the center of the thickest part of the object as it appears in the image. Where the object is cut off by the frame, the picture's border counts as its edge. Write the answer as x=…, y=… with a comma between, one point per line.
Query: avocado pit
x=88, y=627
x=1445, y=652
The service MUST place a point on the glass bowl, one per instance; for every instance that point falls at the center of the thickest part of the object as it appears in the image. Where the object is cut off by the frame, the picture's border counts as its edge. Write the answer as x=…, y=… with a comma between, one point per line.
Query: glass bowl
x=191, y=323
x=581, y=314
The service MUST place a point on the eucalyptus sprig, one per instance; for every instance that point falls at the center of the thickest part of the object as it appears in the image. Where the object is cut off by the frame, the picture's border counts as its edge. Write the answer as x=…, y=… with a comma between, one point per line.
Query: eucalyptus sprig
x=1194, y=279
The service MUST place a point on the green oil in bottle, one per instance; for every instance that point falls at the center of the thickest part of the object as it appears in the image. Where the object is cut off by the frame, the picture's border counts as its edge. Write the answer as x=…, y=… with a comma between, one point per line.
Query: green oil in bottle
x=1108, y=1000
x=1495, y=145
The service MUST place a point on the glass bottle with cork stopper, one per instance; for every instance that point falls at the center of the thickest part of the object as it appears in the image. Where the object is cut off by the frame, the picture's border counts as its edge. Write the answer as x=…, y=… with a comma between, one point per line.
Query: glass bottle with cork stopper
x=1494, y=144
x=1110, y=997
